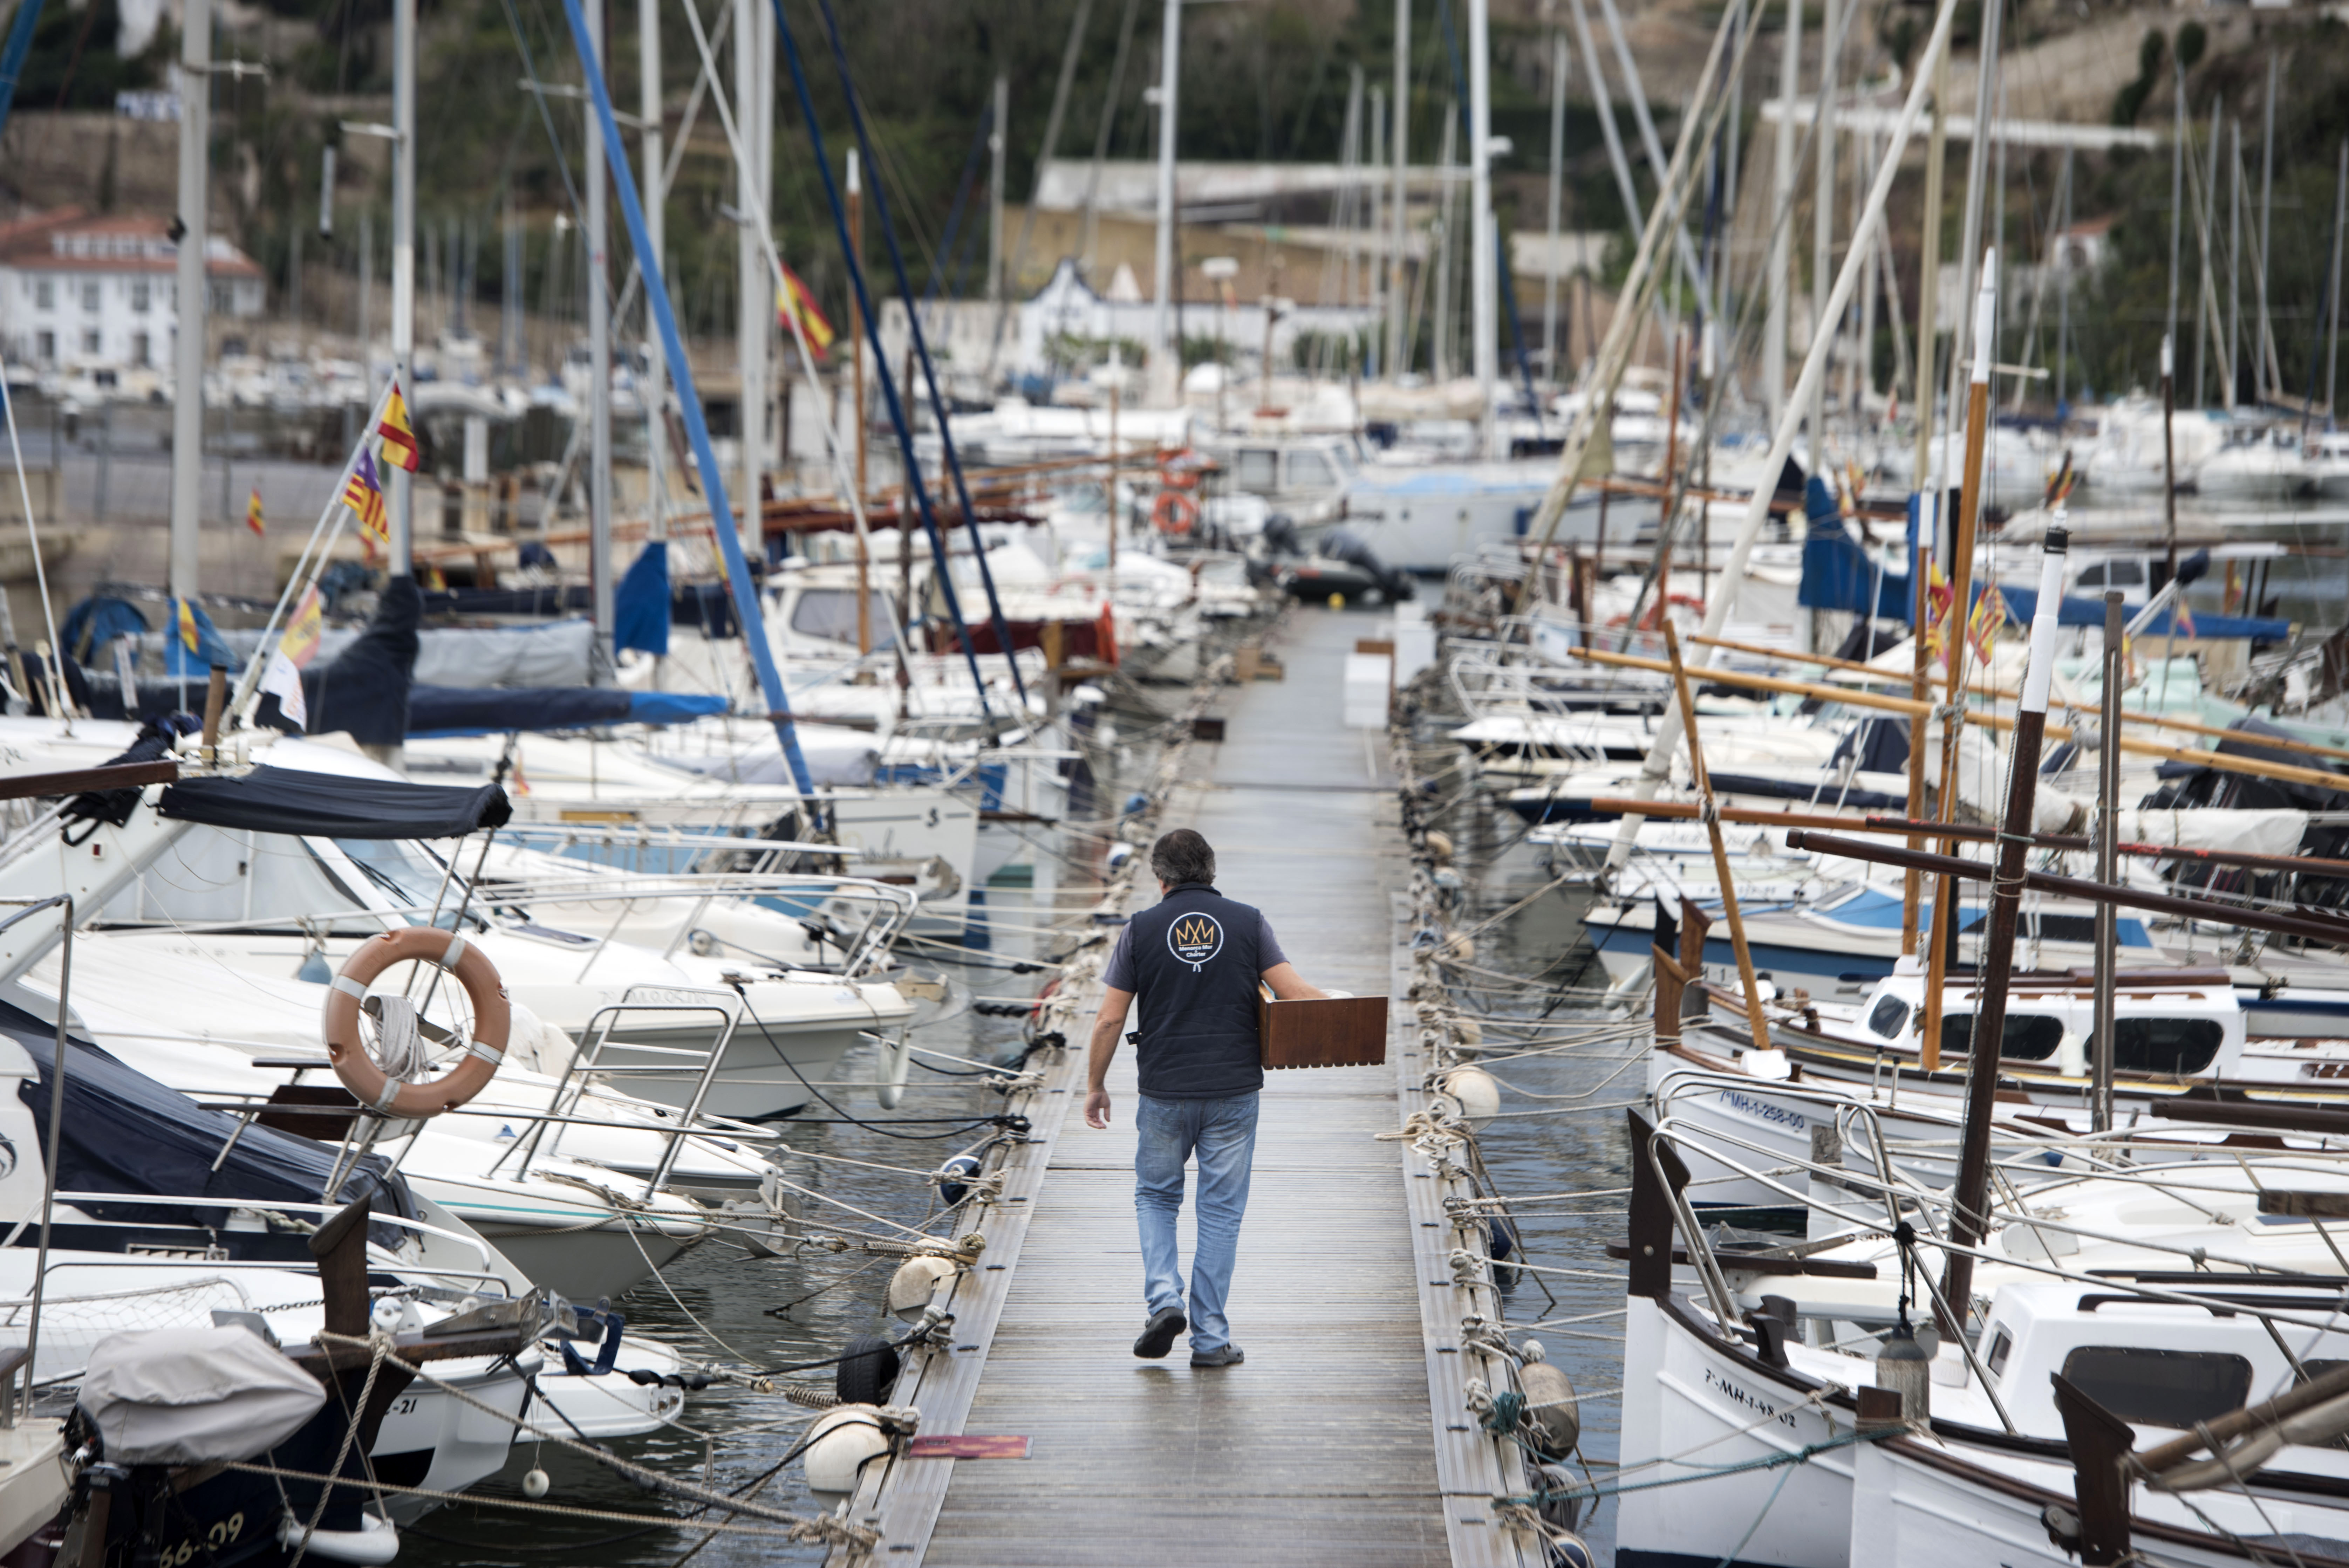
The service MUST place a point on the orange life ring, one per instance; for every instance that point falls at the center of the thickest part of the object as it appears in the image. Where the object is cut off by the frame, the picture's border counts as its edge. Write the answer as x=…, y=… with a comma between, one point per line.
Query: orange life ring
x=492, y=1021
x=1173, y=511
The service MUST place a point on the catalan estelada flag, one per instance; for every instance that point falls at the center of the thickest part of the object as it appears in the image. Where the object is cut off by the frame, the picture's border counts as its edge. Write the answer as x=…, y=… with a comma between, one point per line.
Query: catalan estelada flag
x=793, y=298
x=399, y=435
x=252, y=512
x=364, y=496
x=185, y=621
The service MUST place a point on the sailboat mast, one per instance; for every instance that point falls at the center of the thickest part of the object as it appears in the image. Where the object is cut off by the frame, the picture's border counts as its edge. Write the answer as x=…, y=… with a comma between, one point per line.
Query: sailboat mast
x=1483, y=260
x=599, y=372
x=400, y=499
x=1782, y=241
x=1822, y=209
x=2262, y=337
x=1968, y=1218
x=1396, y=353
x=1558, y=58
x=652, y=198
x=2332, y=318
x=753, y=47
x=2177, y=196
x=1165, y=371
x=188, y=350
x=1969, y=225
x=998, y=146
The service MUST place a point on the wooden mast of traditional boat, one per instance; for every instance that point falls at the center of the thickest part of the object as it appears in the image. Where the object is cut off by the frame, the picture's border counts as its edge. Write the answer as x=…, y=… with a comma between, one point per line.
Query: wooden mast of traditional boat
x=1969, y=1213
x=1913, y=883
x=1756, y=1020
x=1943, y=936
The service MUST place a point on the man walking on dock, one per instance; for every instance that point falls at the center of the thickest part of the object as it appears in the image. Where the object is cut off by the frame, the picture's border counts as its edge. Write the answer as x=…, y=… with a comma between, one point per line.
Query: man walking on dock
x=1194, y=960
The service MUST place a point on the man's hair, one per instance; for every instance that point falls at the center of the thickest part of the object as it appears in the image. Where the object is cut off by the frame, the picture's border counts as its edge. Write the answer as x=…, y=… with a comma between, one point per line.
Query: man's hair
x=1181, y=856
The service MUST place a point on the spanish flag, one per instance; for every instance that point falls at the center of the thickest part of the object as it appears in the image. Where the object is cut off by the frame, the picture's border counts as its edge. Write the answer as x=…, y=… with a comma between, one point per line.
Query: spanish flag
x=303, y=630
x=252, y=512
x=793, y=298
x=293, y=652
x=184, y=619
x=1989, y=615
x=364, y=496
x=399, y=435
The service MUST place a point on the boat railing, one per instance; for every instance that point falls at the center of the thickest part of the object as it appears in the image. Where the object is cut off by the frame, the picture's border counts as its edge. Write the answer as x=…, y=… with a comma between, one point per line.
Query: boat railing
x=889, y=907
x=268, y=1206
x=586, y=1068
x=1714, y=1143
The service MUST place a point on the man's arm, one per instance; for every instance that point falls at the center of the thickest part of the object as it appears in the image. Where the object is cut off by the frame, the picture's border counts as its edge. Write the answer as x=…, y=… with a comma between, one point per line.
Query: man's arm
x=1289, y=986
x=1108, y=1025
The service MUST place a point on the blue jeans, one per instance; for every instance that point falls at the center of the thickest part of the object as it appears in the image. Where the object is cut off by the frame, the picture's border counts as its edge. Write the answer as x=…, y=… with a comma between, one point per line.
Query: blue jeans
x=1221, y=1133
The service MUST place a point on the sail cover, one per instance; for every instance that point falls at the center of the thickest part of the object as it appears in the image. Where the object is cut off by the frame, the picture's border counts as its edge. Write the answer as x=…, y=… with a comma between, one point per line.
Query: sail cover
x=290, y=800
x=124, y=1132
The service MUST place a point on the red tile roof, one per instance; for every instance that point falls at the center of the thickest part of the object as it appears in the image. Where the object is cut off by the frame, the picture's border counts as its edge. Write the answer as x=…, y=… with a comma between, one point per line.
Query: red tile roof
x=70, y=240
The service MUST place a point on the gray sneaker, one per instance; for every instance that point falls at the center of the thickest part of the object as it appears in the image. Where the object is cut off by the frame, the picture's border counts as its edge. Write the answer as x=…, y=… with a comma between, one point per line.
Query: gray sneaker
x=1223, y=1356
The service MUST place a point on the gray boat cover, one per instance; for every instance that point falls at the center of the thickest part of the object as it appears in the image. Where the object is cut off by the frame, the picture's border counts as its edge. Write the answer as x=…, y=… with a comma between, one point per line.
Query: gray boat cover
x=191, y=1396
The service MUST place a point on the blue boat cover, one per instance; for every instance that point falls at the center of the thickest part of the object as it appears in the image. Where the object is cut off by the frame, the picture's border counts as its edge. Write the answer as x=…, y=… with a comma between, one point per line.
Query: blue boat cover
x=640, y=605
x=335, y=806
x=2021, y=603
x=97, y=621
x=497, y=710
x=124, y=1132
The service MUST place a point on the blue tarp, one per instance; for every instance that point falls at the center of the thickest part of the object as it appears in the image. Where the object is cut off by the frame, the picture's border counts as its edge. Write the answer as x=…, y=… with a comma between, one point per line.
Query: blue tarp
x=2021, y=603
x=640, y=605
x=672, y=708
x=1836, y=572
x=1837, y=575
x=97, y=621
x=496, y=710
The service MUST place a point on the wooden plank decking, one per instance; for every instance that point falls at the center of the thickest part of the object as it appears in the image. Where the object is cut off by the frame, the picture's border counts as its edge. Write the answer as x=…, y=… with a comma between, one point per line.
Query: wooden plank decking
x=1322, y=1449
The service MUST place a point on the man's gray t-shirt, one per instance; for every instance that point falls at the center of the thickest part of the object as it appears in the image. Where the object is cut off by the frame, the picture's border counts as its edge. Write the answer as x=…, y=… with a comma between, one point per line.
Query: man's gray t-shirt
x=1118, y=976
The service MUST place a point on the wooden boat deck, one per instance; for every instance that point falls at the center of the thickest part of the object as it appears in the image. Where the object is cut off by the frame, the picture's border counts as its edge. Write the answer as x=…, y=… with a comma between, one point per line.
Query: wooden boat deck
x=1325, y=1446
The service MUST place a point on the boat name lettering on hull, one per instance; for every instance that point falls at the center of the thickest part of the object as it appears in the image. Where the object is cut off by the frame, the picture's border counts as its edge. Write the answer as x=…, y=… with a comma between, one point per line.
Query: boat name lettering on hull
x=1764, y=1110
x=1729, y=1390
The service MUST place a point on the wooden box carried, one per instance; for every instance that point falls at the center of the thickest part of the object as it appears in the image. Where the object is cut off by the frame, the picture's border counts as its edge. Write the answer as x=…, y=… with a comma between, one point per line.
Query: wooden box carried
x=1331, y=1032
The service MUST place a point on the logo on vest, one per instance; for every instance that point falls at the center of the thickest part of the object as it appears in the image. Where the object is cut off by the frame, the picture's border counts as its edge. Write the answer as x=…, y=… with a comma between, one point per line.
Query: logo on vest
x=1195, y=939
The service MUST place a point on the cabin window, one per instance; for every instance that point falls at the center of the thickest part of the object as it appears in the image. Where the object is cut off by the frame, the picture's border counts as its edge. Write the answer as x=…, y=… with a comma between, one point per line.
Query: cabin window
x=1887, y=1016
x=1309, y=470
x=2001, y=1346
x=1257, y=470
x=2067, y=928
x=2182, y=1046
x=831, y=613
x=2127, y=574
x=2094, y=577
x=2161, y=1387
x=2030, y=1037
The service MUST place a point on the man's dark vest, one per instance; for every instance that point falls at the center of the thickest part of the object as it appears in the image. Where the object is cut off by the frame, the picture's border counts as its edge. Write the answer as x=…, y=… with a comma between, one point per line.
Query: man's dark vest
x=1195, y=976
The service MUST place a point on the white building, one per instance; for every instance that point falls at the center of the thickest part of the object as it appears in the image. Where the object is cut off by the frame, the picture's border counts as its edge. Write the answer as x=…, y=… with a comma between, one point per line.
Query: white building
x=78, y=291
x=961, y=334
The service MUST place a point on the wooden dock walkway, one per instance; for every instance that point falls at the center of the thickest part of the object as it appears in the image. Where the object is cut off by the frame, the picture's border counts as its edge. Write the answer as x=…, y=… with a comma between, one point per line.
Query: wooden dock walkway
x=1324, y=1446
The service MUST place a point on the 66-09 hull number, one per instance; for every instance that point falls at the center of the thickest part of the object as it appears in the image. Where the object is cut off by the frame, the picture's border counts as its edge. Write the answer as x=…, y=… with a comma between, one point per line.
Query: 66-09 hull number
x=222, y=1534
